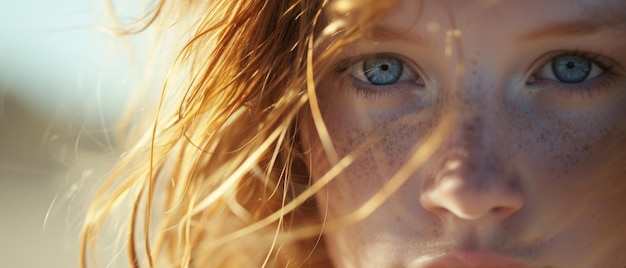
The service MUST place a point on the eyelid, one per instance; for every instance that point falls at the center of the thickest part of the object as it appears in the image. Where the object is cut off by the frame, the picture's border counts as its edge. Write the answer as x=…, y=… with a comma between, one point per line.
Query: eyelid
x=345, y=63
x=607, y=65
x=344, y=70
x=609, y=71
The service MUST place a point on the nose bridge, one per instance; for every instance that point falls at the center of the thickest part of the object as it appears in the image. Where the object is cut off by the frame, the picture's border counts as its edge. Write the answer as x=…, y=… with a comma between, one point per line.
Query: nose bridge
x=470, y=152
x=473, y=136
x=474, y=101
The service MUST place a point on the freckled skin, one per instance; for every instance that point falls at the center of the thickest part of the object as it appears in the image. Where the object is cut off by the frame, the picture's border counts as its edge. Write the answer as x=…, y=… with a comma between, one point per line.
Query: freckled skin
x=532, y=171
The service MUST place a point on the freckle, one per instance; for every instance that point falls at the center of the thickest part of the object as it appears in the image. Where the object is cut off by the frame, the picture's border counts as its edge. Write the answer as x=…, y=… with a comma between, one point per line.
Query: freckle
x=586, y=148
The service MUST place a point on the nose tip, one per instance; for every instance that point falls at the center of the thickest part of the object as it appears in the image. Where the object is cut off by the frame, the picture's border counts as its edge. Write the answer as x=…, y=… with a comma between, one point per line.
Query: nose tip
x=456, y=195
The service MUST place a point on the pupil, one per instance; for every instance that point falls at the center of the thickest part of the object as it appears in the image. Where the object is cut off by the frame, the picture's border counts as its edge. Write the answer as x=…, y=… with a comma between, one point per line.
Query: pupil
x=382, y=70
x=571, y=69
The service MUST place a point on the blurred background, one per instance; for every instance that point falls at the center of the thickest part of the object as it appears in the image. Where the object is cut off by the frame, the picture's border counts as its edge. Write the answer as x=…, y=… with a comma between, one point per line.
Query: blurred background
x=63, y=83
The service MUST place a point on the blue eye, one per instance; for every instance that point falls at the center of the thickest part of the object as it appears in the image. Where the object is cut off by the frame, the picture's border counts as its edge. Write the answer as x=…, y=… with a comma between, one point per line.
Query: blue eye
x=382, y=71
x=570, y=69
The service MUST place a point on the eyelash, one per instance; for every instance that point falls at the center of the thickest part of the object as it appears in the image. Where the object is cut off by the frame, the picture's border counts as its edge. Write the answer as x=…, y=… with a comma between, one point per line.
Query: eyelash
x=374, y=92
x=584, y=88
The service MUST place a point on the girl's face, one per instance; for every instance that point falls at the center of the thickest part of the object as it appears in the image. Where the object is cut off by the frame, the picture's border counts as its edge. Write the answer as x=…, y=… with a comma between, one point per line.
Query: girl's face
x=532, y=170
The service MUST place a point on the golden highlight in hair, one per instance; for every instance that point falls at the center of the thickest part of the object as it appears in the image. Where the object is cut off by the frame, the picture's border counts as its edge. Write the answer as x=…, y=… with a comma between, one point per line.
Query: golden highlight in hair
x=216, y=177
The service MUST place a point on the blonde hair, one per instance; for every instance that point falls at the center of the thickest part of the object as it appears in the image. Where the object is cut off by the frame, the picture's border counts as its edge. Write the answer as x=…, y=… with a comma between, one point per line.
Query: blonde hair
x=215, y=177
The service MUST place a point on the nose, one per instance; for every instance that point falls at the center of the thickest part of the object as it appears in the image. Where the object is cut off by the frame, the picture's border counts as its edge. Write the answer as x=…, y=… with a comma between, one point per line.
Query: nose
x=459, y=194
x=470, y=181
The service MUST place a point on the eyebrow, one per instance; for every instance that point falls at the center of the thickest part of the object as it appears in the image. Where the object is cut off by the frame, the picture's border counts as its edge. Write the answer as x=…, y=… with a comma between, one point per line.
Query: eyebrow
x=598, y=19
x=384, y=33
x=577, y=28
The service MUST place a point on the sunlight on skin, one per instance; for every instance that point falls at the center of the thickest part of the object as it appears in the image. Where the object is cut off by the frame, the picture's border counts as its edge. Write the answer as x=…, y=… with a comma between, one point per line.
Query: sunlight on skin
x=532, y=170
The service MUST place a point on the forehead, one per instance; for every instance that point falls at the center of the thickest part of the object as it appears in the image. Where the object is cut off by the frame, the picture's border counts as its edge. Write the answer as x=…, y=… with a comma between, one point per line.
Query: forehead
x=456, y=13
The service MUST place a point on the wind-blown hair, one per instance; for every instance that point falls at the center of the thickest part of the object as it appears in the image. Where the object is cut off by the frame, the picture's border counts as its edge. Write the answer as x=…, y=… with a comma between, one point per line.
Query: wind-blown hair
x=216, y=176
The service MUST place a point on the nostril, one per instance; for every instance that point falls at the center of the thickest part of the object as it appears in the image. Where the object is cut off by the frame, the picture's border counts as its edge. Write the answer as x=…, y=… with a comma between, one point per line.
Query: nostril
x=459, y=197
x=502, y=212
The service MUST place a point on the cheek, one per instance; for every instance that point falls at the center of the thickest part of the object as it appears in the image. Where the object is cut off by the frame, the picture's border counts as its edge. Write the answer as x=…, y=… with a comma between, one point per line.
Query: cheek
x=379, y=140
x=570, y=160
x=568, y=140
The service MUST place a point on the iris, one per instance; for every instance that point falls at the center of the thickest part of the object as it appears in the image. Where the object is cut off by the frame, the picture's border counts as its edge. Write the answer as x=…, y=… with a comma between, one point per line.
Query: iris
x=571, y=69
x=382, y=71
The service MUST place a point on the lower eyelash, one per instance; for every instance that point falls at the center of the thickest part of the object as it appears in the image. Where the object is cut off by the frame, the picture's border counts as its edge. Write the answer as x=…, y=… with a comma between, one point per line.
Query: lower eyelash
x=371, y=93
x=587, y=89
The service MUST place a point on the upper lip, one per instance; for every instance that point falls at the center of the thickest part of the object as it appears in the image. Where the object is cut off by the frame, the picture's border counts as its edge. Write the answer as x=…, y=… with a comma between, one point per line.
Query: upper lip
x=465, y=258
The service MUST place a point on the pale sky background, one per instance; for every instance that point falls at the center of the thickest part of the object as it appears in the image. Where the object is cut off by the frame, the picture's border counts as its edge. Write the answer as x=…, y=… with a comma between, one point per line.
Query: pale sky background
x=62, y=84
